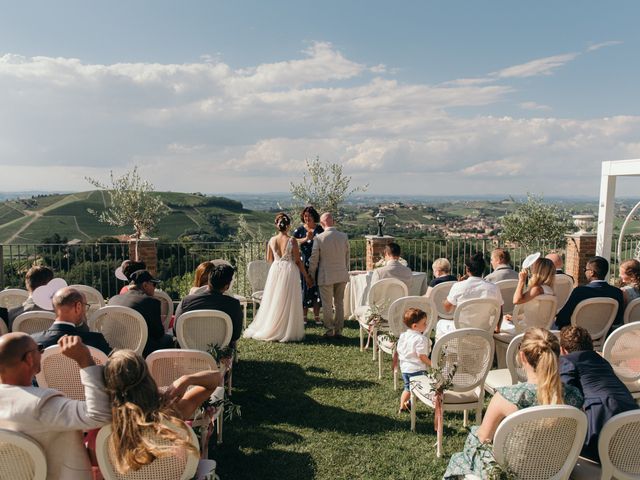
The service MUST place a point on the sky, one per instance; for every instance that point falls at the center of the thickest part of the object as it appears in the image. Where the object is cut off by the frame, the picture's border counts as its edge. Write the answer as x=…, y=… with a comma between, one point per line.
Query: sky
x=413, y=97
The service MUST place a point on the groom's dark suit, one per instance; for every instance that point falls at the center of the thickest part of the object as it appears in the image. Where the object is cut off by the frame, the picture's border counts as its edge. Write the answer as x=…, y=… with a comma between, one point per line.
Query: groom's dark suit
x=595, y=289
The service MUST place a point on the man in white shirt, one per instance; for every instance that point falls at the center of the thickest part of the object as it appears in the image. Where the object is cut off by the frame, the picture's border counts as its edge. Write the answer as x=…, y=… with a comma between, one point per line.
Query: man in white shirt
x=392, y=267
x=473, y=287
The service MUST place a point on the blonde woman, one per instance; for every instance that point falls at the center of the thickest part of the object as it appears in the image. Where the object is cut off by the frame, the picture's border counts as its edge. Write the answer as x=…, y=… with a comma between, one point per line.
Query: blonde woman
x=138, y=409
x=543, y=274
x=539, y=354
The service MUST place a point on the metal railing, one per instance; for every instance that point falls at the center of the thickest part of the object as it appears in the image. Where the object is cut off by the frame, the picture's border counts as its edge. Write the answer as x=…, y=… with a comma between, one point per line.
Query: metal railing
x=95, y=263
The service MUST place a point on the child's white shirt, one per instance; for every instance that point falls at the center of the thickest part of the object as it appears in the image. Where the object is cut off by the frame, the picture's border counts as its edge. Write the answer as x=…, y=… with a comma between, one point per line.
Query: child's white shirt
x=411, y=345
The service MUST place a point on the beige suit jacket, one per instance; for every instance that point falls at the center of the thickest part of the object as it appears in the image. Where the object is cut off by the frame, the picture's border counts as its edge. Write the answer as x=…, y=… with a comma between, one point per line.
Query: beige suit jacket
x=56, y=422
x=393, y=269
x=330, y=257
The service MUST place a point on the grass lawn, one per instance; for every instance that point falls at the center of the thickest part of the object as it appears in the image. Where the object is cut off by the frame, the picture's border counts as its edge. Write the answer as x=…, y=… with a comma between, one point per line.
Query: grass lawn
x=316, y=410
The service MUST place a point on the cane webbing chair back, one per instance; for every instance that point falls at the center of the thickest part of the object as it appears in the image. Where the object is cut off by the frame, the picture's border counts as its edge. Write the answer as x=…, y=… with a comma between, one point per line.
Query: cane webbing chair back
x=181, y=465
x=622, y=351
x=168, y=365
x=619, y=444
x=21, y=458
x=166, y=307
x=541, y=442
x=539, y=312
x=596, y=315
x=632, y=311
x=122, y=327
x=507, y=289
x=482, y=313
x=61, y=373
x=399, y=306
x=13, y=297
x=199, y=329
x=438, y=295
x=562, y=287
x=257, y=272
x=33, y=322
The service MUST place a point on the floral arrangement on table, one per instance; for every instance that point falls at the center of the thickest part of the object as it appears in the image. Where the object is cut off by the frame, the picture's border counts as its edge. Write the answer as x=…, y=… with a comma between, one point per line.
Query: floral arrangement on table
x=382, y=262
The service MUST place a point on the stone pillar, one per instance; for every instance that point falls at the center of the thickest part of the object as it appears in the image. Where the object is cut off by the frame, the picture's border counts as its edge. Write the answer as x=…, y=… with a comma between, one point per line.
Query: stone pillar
x=580, y=247
x=375, y=248
x=147, y=253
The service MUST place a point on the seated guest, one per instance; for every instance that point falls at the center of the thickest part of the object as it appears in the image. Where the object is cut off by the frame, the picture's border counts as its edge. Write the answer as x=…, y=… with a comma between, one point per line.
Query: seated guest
x=502, y=270
x=140, y=298
x=201, y=278
x=596, y=271
x=128, y=267
x=70, y=307
x=559, y=264
x=630, y=276
x=392, y=267
x=543, y=273
x=604, y=394
x=473, y=287
x=220, y=280
x=36, y=277
x=538, y=354
x=139, y=408
x=52, y=420
x=441, y=273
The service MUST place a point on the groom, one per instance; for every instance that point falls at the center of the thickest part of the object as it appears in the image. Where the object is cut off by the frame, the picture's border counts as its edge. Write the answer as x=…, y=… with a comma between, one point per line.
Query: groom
x=330, y=258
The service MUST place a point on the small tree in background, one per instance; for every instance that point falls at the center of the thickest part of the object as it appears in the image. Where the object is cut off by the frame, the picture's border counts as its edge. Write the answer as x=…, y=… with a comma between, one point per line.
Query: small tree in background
x=324, y=186
x=534, y=222
x=133, y=203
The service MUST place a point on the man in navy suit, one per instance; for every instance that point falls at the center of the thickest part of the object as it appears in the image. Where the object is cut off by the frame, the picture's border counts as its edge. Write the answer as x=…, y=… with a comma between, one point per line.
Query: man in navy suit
x=604, y=394
x=596, y=271
x=71, y=312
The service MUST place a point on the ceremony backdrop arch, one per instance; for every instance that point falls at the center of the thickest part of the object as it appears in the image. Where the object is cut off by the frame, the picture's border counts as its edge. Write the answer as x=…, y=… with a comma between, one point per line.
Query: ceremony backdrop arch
x=610, y=172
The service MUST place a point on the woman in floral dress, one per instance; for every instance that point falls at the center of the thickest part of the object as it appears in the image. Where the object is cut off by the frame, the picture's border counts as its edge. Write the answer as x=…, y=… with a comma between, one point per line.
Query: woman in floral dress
x=305, y=234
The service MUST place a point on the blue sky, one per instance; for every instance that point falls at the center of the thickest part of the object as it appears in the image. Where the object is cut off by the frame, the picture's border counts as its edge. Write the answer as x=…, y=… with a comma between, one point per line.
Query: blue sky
x=411, y=97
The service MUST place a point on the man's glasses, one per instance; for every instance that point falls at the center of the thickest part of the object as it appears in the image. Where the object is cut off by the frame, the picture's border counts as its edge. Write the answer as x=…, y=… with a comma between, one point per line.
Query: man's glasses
x=39, y=348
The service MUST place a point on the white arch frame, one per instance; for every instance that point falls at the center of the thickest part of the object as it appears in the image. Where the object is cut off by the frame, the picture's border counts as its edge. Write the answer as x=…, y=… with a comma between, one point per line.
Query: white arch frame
x=610, y=172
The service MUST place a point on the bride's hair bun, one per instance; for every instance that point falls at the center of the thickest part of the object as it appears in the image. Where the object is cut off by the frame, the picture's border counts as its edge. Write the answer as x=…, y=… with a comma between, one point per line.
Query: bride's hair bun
x=282, y=221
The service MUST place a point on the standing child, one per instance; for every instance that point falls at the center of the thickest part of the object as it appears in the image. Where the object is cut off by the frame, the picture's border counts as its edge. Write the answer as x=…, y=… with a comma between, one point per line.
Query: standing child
x=413, y=350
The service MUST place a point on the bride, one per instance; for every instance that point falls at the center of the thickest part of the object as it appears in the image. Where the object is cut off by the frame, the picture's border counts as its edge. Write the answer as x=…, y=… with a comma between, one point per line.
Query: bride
x=279, y=317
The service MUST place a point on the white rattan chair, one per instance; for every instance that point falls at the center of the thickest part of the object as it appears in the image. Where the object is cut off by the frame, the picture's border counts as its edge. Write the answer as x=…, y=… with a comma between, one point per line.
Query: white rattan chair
x=3, y=327
x=514, y=373
x=622, y=351
x=507, y=289
x=61, y=373
x=122, y=327
x=396, y=327
x=93, y=297
x=471, y=349
x=632, y=311
x=199, y=329
x=562, y=288
x=482, y=313
x=166, y=366
x=438, y=295
x=21, y=458
x=541, y=442
x=180, y=466
x=596, y=315
x=539, y=312
x=166, y=307
x=33, y=322
x=257, y=272
x=13, y=297
x=381, y=294
x=619, y=447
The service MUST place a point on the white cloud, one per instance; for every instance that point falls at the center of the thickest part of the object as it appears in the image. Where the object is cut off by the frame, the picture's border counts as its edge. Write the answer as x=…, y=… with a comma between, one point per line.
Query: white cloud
x=598, y=46
x=208, y=127
x=540, y=66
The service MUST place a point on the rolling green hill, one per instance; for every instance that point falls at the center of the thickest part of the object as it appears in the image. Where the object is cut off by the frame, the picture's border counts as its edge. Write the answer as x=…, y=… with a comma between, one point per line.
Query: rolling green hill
x=201, y=217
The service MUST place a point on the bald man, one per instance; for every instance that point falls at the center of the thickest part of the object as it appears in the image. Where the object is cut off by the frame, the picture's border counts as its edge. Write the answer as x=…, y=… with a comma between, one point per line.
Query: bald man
x=54, y=421
x=330, y=258
x=557, y=261
x=70, y=306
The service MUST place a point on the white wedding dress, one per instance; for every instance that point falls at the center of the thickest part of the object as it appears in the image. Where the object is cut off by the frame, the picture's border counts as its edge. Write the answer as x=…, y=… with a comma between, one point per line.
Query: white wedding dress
x=279, y=318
